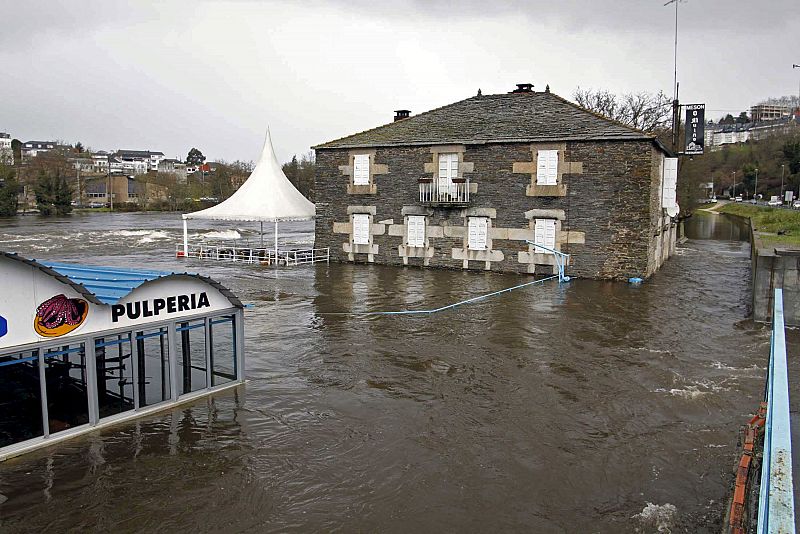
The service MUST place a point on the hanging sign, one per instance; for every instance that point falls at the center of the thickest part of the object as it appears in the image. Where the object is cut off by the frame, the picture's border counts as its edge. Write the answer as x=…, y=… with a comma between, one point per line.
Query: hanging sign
x=695, y=126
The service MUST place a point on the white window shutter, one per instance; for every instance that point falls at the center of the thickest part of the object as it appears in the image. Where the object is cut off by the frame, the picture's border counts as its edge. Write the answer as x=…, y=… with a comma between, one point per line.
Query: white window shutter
x=361, y=169
x=361, y=229
x=544, y=233
x=415, y=228
x=669, y=198
x=546, y=167
x=477, y=233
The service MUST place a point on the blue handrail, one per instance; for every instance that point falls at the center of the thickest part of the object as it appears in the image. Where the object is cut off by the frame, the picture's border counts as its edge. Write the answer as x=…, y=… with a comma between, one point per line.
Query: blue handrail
x=776, y=498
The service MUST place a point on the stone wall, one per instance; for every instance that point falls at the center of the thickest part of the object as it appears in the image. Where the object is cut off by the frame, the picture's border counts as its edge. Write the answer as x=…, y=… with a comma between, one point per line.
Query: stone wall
x=607, y=204
x=774, y=267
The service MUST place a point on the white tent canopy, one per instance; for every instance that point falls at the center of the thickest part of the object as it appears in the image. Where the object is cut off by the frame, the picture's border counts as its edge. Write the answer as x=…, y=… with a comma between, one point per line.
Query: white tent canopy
x=266, y=196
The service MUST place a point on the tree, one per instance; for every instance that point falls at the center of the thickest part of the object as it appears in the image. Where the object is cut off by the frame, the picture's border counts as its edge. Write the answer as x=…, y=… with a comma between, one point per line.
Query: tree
x=195, y=157
x=79, y=147
x=650, y=112
x=16, y=148
x=53, y=193
x=301, y=174
x=9, y=192
x=791, y=151
x=742, y=118
x=727, y=119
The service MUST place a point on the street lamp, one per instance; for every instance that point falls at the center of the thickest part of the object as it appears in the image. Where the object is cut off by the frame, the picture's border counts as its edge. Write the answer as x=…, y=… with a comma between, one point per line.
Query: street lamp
x=755, y=191
x=733, y=186
x=782, y=167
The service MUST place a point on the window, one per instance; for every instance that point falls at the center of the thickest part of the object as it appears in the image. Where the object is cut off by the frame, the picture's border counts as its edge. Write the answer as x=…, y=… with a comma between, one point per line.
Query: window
x=152, y=349
x=668, y=199
x=223, y=350
x=415, y=228
x=191, y=348
x=448, y=170
x=66, y=386
x=544, y=234
x=547, y=167
x=361, y=229
x=20, y=397
x=477, y=231
x=361, y=169
x=114, y=374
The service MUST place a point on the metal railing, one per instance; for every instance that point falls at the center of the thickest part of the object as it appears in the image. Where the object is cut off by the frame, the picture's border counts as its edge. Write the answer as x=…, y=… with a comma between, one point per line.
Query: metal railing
x=439, y=192
x=251, y=254
x=776, y=498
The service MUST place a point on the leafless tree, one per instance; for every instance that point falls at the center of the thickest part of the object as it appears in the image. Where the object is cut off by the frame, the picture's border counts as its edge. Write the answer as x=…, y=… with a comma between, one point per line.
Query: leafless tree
x=650, y=112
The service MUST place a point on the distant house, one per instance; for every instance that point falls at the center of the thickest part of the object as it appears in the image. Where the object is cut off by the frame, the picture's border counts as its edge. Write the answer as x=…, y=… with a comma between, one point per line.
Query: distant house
x=30, y=149
x=6, y=152
x=149, y=158
x=718, y=135
x=480, y=183
x=173, y=166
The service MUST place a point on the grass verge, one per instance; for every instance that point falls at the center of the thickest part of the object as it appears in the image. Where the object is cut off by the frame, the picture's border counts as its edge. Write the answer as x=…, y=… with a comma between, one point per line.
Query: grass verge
x=777, y=226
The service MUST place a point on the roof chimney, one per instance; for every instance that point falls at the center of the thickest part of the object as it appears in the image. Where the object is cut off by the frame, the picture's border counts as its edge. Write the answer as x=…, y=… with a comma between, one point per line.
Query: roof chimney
x=523, y=88
x=400, y=114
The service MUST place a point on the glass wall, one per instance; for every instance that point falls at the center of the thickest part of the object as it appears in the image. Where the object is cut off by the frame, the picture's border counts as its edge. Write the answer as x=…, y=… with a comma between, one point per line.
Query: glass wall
x=47, y=390
x=114, y=374
x=191, y=347
x=20, y=397
x=152, y=349
x=66, y=387
x=223, y=349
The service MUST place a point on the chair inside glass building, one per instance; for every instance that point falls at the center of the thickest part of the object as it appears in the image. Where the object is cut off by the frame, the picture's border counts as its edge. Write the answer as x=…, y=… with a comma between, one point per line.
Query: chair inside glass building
x=83, y=346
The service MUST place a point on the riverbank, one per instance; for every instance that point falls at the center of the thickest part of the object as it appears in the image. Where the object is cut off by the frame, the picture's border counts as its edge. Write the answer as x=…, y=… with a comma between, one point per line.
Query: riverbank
x=775, y=226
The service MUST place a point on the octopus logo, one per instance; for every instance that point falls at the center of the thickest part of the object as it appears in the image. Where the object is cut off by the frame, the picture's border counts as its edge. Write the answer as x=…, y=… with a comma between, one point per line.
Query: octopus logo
x=59, y=316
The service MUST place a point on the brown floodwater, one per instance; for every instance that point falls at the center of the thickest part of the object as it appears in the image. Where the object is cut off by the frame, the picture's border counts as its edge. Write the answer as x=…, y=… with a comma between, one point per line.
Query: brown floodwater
x=585, y=407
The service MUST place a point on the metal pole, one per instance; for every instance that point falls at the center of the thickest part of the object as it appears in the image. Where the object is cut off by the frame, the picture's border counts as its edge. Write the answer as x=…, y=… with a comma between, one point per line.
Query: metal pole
x=276, y=241
x=262, y=234
x=782, y=168
x=755, y=190
x=733, y=187
x=185, y=238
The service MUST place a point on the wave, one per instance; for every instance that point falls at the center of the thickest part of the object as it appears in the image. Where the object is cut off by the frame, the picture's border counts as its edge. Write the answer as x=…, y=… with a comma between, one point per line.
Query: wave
x=222, y=234
x=659, y=516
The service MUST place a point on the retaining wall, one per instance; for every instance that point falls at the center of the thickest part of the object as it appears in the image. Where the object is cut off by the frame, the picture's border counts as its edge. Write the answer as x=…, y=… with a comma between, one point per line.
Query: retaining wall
x=774, y=267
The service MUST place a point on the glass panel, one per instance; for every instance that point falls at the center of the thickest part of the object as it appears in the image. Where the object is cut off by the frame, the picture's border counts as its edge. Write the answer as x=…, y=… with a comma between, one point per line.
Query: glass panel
x=20, y=397
x=65, y=379
x=114, y=374
x=223, y=350
x=152, y=348
x=191, y=347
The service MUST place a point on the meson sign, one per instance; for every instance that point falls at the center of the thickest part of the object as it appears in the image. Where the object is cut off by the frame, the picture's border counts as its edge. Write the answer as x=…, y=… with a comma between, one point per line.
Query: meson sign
x=156, y=306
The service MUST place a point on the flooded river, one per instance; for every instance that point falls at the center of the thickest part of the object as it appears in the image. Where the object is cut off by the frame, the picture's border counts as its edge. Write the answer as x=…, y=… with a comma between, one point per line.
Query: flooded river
x=587, y=407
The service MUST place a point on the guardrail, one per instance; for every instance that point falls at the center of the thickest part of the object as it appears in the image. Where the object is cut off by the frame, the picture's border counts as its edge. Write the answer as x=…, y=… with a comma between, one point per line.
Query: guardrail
x=776, y=498
x=248, y=254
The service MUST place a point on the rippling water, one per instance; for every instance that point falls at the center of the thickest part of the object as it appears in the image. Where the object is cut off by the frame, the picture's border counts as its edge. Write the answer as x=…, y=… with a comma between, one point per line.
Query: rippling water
x=588, y=407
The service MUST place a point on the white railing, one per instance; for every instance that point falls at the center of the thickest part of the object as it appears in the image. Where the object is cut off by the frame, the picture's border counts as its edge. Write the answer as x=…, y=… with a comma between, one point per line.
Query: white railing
x=248, y=254
x=440, y=192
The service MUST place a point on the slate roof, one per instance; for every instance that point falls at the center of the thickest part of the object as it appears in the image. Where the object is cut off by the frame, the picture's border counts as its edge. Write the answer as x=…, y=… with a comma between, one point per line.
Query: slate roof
x=512, y=117
x=138, y=153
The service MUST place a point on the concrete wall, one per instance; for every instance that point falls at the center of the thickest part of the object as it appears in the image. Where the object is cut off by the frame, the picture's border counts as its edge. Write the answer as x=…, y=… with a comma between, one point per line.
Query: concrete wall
x=774, y=267
x=607, y=204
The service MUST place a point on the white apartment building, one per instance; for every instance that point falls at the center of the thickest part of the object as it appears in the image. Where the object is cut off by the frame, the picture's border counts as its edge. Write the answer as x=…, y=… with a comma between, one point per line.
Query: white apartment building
x=6, y=152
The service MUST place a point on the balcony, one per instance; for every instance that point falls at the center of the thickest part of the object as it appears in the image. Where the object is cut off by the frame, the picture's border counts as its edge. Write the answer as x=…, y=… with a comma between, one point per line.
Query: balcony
x=444, y=192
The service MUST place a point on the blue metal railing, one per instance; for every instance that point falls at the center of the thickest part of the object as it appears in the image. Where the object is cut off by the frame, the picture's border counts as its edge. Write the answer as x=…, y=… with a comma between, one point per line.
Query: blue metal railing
x=776, y=499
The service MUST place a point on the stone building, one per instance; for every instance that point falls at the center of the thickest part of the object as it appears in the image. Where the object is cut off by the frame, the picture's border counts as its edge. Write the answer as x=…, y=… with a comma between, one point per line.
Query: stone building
x=468, y=185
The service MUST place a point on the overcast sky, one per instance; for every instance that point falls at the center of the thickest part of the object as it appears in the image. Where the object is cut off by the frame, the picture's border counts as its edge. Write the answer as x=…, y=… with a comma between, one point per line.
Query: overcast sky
x=213, y=74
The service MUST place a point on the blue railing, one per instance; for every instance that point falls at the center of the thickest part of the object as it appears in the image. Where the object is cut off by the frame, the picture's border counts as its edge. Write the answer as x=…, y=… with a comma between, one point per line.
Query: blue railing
x=776, y=499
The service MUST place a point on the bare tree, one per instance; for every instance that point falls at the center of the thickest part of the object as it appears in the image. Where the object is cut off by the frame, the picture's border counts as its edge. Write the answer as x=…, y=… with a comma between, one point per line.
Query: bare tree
x=650, y=112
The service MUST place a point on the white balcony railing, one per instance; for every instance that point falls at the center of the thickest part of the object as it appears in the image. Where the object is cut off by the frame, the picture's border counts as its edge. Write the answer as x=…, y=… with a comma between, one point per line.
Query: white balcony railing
x=444, y=192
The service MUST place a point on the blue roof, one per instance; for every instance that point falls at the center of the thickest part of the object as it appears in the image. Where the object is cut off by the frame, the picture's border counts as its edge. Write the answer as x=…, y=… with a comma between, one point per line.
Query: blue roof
x=109, y=284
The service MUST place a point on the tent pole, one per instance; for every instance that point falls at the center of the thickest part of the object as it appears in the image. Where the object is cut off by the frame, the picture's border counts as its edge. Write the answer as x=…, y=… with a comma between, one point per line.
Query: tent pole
x=276, y=241
x=185, y=238
x=262, y=234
